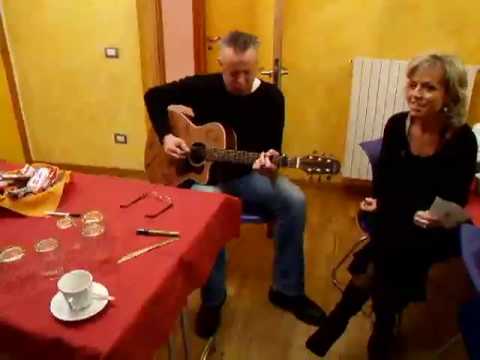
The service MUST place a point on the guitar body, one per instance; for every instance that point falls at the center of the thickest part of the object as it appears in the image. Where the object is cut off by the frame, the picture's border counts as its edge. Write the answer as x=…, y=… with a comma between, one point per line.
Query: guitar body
x=162, y=168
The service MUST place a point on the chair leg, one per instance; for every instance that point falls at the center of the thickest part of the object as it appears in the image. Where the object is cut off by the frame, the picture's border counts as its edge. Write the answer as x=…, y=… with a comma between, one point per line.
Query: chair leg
x=270, y=226
x=333, y=274
x=187, y=350
x=171, y=347
x=210, y=347
x=447, y=345
x=398, y=322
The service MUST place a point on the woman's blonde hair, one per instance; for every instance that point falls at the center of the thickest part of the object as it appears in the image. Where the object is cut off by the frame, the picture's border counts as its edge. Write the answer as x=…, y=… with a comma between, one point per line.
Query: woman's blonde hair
x=454, y=80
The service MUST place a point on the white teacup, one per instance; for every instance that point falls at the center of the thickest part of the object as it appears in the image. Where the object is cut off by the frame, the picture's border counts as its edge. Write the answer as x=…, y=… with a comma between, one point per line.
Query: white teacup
x=76, y=287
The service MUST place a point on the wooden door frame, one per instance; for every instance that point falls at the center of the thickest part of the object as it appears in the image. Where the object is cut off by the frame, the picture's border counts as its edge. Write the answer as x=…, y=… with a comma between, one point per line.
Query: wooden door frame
x=199, y=36
x=150, y=32
x=278, y=29
x=12, y=86
x=150, y=24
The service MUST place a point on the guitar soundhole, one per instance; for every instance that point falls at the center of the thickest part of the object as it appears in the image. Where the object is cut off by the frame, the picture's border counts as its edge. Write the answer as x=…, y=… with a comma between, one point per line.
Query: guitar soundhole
x=198, y=154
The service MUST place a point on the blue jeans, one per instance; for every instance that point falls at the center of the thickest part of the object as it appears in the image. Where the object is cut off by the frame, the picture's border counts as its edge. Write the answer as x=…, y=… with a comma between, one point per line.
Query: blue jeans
x=285, y=203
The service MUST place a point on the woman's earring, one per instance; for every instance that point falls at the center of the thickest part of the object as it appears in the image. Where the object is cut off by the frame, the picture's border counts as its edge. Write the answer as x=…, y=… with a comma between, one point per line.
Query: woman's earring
x=445, y=109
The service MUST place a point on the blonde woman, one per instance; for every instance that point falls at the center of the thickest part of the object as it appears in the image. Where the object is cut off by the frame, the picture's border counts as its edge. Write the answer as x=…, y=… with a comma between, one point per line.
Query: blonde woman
x=427, y=152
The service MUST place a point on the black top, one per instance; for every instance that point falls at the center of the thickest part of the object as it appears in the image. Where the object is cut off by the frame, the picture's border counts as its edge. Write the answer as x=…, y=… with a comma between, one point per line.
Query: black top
x=406, y=183
x=256, y=118
x=403, y=184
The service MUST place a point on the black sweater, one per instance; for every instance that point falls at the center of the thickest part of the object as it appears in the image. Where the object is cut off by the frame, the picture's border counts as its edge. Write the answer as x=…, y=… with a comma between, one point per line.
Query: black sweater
x=406, y=183
x=403, y=184
x=256, y=118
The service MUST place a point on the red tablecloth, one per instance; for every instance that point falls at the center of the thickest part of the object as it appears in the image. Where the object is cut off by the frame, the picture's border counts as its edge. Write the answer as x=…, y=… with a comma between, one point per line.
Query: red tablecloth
x=150, y=290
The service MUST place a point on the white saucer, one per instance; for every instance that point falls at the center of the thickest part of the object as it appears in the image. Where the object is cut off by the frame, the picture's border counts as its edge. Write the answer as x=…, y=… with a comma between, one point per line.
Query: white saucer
x=60, y=309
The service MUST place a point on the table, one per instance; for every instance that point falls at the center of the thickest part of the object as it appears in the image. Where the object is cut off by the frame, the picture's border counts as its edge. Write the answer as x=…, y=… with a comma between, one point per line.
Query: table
x=150, y=290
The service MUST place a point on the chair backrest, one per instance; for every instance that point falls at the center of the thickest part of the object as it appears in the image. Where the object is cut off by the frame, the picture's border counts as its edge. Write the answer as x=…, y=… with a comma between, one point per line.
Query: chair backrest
x=470, y=240
x=372, y=149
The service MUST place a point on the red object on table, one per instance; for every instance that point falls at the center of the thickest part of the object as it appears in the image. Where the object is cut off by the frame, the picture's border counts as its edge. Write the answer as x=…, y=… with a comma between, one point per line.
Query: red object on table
x=150, y=290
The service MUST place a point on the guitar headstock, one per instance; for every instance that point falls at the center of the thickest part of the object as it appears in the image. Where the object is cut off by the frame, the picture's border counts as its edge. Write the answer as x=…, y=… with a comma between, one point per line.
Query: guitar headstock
x=319, y=164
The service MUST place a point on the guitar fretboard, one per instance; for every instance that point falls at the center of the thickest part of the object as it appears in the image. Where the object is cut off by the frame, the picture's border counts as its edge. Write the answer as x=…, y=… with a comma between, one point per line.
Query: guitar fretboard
x=247, y=158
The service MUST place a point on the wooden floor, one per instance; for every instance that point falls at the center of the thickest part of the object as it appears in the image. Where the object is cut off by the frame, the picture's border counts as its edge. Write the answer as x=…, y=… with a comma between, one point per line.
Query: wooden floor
x=253, y=329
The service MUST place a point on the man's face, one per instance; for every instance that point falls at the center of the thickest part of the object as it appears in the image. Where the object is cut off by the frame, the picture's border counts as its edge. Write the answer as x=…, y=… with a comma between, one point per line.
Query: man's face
x=239, y=70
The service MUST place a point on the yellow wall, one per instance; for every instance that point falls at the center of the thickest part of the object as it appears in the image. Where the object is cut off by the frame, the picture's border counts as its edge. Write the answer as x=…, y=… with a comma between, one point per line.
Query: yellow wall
x=10, y=145
x=247, y=15
x=74, y=98
x=322, y=36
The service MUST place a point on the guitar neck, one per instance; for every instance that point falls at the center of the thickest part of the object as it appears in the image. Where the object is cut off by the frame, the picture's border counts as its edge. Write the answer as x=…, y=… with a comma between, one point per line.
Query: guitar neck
x=247, y=158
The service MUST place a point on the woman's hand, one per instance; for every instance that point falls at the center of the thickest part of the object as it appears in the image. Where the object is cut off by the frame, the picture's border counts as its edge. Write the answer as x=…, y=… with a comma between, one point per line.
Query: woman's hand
x=426, y=220
x=368, y=204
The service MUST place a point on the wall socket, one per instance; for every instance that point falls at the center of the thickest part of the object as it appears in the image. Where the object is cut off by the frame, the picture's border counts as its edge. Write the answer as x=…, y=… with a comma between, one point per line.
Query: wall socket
x=111, y=52
x=120, y=138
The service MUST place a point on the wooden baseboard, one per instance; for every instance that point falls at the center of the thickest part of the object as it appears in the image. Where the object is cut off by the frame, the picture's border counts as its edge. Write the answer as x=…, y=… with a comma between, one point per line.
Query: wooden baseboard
x=334, y=181
x=356, y=183
x=356, y=186
x=348, y=184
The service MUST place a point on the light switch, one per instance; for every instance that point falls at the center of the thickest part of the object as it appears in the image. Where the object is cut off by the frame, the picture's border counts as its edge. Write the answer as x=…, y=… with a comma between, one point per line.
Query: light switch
x=111, y=52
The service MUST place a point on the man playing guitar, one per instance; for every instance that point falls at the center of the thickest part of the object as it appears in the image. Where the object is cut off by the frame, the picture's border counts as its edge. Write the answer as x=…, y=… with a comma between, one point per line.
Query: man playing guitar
x=255, y=111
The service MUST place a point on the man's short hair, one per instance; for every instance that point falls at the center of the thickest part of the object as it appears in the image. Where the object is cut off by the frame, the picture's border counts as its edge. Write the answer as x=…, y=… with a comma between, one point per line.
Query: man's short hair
x=240, y=41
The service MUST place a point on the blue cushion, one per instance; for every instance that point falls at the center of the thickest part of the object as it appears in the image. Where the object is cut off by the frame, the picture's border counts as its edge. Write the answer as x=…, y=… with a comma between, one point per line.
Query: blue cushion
x=372, y=149
x=470, y=238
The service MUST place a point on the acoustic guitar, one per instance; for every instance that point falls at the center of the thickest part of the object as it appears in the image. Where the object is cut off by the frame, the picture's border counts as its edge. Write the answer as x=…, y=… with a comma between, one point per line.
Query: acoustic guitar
x=210, y=143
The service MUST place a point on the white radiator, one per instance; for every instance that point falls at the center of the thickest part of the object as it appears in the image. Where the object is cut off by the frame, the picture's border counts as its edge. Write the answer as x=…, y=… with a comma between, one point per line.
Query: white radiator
x=377, y=93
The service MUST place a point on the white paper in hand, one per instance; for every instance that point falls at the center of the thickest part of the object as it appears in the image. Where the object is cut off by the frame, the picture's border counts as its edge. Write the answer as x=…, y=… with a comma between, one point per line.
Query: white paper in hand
x=449, y=213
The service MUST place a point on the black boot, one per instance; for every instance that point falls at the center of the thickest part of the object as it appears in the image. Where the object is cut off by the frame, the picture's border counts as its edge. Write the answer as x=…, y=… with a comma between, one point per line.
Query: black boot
x=301, y=306
x=386, y=307
x=380, y=343
x=208, y=319
x=351, y=303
